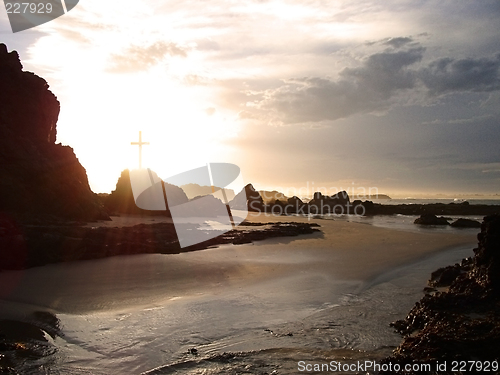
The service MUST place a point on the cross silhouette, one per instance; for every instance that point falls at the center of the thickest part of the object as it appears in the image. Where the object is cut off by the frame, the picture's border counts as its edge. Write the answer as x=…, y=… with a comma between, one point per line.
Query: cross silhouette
x=140, y=143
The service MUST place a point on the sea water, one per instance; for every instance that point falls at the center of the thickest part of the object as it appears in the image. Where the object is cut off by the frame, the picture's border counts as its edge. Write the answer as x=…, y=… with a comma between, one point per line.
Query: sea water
x=406, y=223
x=472, y=201
x=263, y=327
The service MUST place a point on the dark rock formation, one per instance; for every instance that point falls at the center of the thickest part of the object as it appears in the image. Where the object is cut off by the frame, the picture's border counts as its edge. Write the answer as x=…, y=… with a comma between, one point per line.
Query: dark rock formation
x=462, y=324
x=362, y=208
x=295, y=201
x=323, y=204
x=295, y=205
x=37, y=245
x=248, y=198
x=445, y=276
x=121, y=200
x=37, y=177
x=466, y=223
x=20, y=340
x=430, y=219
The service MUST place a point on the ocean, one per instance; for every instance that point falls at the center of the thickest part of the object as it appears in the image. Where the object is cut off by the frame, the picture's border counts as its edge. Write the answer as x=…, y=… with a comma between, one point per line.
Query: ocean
x=434, y=200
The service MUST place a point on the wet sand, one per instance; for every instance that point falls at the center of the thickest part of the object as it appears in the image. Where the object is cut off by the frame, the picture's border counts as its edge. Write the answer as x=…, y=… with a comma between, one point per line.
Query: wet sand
x=359, y=251
x=342, y=251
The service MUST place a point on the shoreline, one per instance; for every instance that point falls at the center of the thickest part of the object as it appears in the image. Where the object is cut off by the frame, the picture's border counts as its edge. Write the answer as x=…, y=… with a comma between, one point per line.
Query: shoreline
x=286, y=277
x=459, y=323
x=342, y=251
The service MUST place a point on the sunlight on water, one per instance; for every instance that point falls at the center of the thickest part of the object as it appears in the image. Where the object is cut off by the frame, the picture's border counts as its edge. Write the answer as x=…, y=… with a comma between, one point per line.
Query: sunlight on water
x=267, y=327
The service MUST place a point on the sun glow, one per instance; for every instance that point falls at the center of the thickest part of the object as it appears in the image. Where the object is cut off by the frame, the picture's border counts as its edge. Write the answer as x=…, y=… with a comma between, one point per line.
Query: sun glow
x=120, y=81
x=112, y=111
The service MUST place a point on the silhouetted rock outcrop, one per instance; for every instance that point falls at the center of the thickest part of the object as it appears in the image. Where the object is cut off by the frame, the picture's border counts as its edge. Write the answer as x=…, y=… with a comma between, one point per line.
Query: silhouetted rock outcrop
x=121, y=200
x=295, y=202
x=323, y=204
x=37, y=176
x=37, y=245
x=466, y=223
x=248, y=198
x=461, y=324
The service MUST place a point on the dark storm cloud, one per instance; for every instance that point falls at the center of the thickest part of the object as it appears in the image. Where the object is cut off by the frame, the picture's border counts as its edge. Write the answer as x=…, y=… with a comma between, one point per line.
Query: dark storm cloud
x=357, y=90
x=449, y=75
x=385, y=73
x=375, y=85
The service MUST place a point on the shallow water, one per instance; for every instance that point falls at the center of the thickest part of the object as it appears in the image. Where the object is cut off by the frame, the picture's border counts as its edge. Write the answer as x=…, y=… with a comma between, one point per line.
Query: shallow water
x=406, y=223
x=263, y=326
x=434, y=200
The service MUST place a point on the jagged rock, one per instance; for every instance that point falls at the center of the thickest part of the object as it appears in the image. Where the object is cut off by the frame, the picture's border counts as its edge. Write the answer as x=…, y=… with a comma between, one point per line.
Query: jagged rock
x=295, y=201
x=248, y=199
x=430, y=219
x=486, y=269
x=296, y=205
x=362, y=208
x=466, y=223
x=121, y=200
x=37, y=177
x=341, y=197
x=323, y=204
x=462, y=323
x=445, y=276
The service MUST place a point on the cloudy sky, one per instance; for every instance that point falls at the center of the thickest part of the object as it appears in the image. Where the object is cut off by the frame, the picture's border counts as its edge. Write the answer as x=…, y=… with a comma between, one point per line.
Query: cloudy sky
x=403, y=96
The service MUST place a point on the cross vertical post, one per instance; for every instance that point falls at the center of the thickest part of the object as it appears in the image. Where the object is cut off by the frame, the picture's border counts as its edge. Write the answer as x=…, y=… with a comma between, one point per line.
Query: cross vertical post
x=140, y=144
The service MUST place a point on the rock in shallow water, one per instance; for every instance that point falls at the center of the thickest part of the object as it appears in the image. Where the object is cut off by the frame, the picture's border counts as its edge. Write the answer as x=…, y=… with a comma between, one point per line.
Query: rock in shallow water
x=466, y=223
x=430, y=219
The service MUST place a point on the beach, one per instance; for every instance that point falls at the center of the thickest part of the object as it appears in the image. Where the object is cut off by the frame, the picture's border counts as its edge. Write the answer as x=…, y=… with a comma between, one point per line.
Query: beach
x=301, y=295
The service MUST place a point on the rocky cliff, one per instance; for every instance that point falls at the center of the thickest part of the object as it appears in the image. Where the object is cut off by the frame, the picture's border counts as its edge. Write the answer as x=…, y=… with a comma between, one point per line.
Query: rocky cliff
x=37, y=176
x=461, y=323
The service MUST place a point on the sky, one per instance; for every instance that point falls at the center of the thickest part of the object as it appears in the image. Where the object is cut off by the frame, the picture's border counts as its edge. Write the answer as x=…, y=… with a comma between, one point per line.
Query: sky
x=400, y=97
